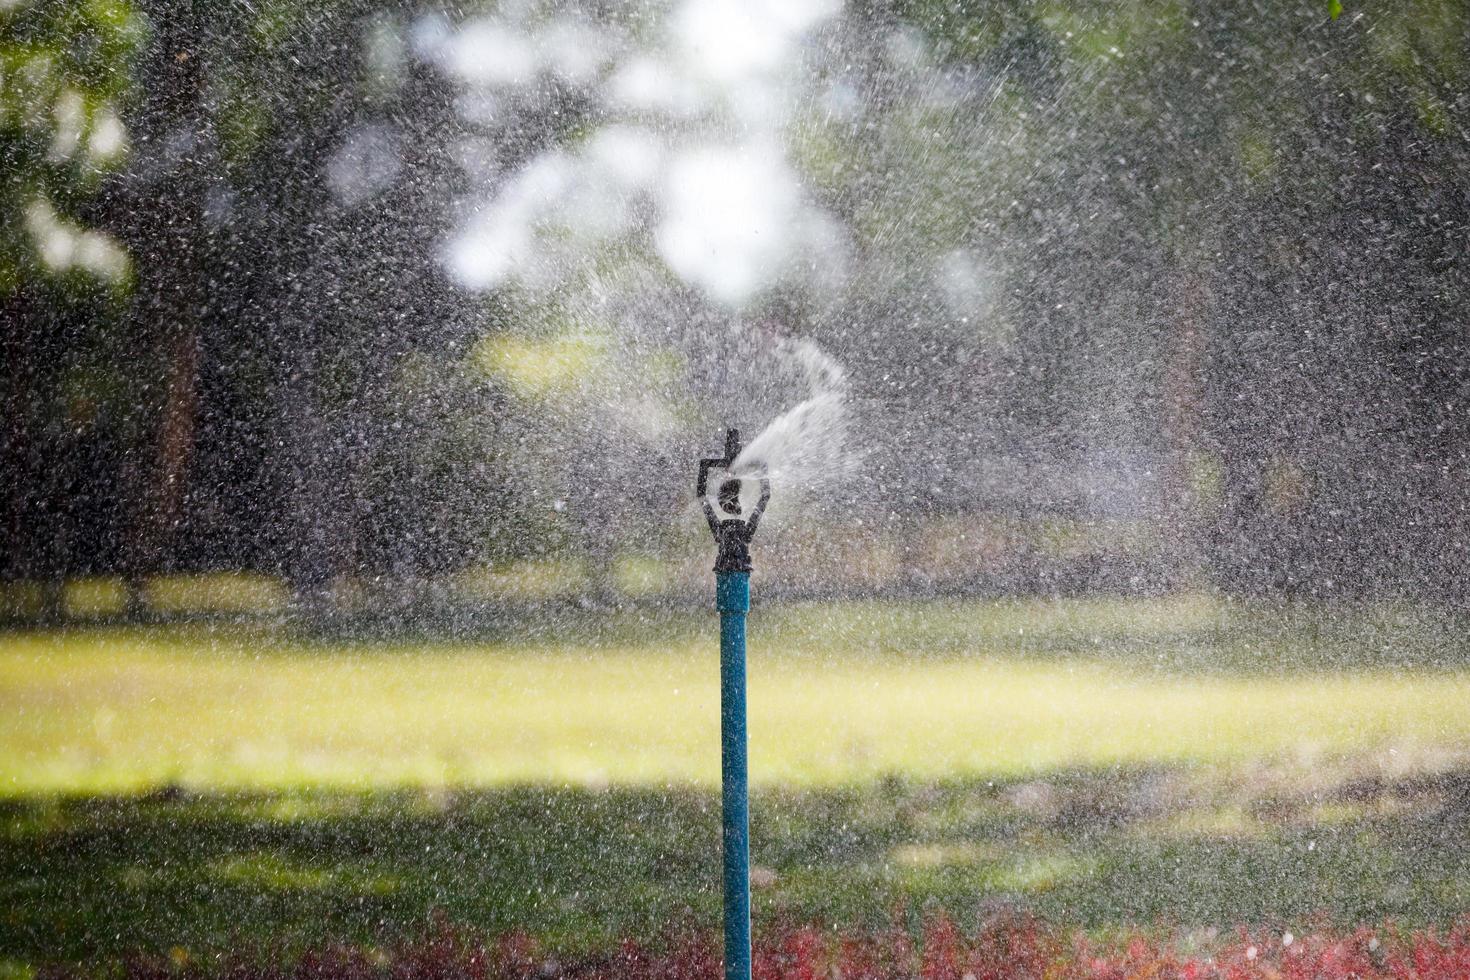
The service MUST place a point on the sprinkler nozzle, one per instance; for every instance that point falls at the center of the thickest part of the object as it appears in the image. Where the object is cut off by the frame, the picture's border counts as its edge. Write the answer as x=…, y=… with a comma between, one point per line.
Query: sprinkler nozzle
x=732, y=531
x=729, y=496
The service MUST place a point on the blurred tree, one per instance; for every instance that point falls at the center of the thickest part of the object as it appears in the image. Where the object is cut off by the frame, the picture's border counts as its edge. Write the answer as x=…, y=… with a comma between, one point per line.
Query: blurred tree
x=1196, y=263
x=1227, y=227
x=64, y=69
x=1340, y=296
x=279, y=206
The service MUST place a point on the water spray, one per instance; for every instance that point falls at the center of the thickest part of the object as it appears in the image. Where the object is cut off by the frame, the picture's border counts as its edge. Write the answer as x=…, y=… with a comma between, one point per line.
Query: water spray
x=733, y=528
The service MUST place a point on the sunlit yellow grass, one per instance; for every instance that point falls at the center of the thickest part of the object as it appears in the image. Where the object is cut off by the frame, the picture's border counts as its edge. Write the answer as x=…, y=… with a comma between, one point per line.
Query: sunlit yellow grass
x=220, y=592
x=91, y=597
x=116, y=709
x=523, y=580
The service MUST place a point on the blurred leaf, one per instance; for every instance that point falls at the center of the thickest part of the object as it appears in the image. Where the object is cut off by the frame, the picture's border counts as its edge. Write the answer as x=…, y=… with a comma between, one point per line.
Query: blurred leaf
x=541, y=367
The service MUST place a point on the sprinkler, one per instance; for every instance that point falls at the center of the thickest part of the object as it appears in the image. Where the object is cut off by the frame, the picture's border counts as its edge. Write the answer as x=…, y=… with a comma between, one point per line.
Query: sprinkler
x=733, y=528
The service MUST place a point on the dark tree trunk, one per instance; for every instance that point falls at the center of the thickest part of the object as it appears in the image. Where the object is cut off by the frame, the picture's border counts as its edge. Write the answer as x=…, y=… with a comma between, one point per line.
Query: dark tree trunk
x=157, y=208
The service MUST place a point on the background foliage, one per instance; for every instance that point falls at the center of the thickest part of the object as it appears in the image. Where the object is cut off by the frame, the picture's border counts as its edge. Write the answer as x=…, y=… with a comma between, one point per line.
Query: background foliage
x=1188, y=273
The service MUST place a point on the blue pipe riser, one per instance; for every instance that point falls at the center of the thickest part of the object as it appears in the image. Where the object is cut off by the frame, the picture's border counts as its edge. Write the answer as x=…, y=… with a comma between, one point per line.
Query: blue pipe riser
x=732, y=598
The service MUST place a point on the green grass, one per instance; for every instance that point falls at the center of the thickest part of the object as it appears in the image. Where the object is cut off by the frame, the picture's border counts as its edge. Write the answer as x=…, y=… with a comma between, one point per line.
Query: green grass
x=838, y=694
x=1101, y=762
x=93, y=878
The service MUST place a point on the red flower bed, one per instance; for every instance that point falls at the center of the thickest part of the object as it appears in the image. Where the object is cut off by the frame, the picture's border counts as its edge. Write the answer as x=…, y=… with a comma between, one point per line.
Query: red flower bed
x=1015, y=949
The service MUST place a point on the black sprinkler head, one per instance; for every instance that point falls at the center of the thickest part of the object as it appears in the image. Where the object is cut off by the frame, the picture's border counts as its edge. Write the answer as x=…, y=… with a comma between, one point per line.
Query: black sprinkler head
x=732, y=529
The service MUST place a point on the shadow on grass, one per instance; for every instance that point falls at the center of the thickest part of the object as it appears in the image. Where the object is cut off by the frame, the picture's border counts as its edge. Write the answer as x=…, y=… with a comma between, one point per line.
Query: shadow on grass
x=91, y=878
x=1186, y=634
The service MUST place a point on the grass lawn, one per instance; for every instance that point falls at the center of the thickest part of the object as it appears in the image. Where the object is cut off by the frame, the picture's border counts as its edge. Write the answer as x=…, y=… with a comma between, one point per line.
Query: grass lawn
x=838, y=693
x=1100, y=762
